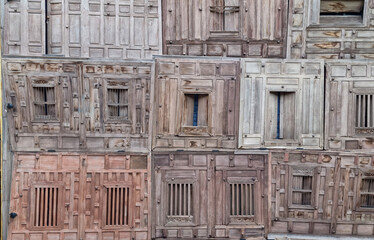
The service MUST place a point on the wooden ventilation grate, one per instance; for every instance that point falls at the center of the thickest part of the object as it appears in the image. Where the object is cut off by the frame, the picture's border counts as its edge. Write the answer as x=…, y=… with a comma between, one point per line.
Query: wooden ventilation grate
x=117, y=206
x=365, y=111
x=180, y=199
x=242, y=199
x=44, y=102
x=302, y=190
x=367, y=193
x=118, y=104
x=46, y=206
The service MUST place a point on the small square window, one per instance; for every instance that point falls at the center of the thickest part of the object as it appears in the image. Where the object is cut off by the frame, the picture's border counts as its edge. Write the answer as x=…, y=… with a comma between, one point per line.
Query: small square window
x=44, y=103
x=332, y=10
x=281, y=115
x=367, y=193
x=180, y=200
x=225, y=17
x=196, y=110
x=302, y=190
x=46, y=206
x=117, y=206
x=118, y=106
x=364, y=113
x=242, y=200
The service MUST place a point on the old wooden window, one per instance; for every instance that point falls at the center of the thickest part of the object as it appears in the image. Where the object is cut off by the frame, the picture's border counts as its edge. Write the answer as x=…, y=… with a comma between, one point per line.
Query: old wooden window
x=302, y=189
x=118, y=105
x=342, y=12
x=367, y=193
x=44, y=103
x=196, y=110
x=45, y=206
x=117, y=206
x=180, y=202
x=364, y=113
x=282, y=115
x=225, y=17
x=242, y=200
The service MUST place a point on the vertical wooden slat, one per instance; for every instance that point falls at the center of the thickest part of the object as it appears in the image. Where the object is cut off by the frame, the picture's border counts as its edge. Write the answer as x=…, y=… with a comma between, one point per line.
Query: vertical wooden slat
x=185, y=199
x=117, y=206
x=37, y=206
x=237, y=199
x=189, y=200
x=180, y=199
x=121, y=207
x=113, y=206
x=55, y=205
x=242, y=204
x=49, y=208
x=358, y=110
x=42, y=207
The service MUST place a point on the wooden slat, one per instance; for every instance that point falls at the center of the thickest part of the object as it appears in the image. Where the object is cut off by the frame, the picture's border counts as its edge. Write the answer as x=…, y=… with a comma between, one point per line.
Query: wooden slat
x=37, y=207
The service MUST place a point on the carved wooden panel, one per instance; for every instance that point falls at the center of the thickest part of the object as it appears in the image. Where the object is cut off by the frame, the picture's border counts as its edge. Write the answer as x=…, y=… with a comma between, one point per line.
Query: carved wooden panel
x=197, y=103
x=224, y=28
x=337, y=204
x=62, y=105
x=209, y=195
x=55, y=195
x=345, y=36
x=112, y=29
x=281, y=104
x=349, y=105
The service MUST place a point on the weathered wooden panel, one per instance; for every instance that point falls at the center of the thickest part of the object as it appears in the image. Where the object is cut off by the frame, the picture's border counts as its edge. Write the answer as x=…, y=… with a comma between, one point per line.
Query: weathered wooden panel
x=197, y=103
x=331, y=29
x=204, y=195
x=336, y=200
x=112, y=29
x=281, y=104
x=349, y=107
x=58, y=104
x=79, y=196
x=224, y=28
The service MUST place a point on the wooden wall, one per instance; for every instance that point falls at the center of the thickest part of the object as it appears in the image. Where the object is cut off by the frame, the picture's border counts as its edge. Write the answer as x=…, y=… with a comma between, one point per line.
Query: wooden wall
x=335, y=207
x=83, y=180
x=178, y=78
x=349, y=105
x=297, y=116
x=339, y=38
x=257, y=29
x=81, y=103
x=210, y=176
x=115, y=29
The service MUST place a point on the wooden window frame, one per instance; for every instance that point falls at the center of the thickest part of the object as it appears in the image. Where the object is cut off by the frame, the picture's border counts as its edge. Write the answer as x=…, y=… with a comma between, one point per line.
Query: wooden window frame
x=44, y=82
x=130, y=210
x=356, y=130
x=124, y=84
x=186, y=130
x=225, y=33
x=336, y=21
x=270, y=141
x=182, y=220
x=250, y=219
x=300, y=171
x=59, y=210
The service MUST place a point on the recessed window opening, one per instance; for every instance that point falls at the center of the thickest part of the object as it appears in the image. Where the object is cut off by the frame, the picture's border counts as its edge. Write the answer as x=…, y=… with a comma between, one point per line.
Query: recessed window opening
x=242, y=200
x=365, y=111
x=342, y=8
x=302, y=190
x=196, y=110
x=117, y=206
x=226, y=15
x=367, y=193
x=282, y=115
x=46, y=206
x=180, y=199
x=44, y=102
x=118, y=103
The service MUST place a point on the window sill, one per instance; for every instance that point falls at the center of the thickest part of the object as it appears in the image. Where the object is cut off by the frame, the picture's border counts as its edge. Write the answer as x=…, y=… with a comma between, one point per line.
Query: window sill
x=305, y=207
x=339, y=21
x=195, y=131
x=45, y=121
x=227, y=34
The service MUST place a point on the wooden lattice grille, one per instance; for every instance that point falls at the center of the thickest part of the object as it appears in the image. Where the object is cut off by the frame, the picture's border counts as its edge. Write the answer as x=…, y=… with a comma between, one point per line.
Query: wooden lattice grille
x=226, y=15
x=44, y=102
x=117, y=206
x=367, y=193
x=118, y=104
x=180, y=199
x=46, y=207
x=242, y=200
x=365, y=111
x=302, y=190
